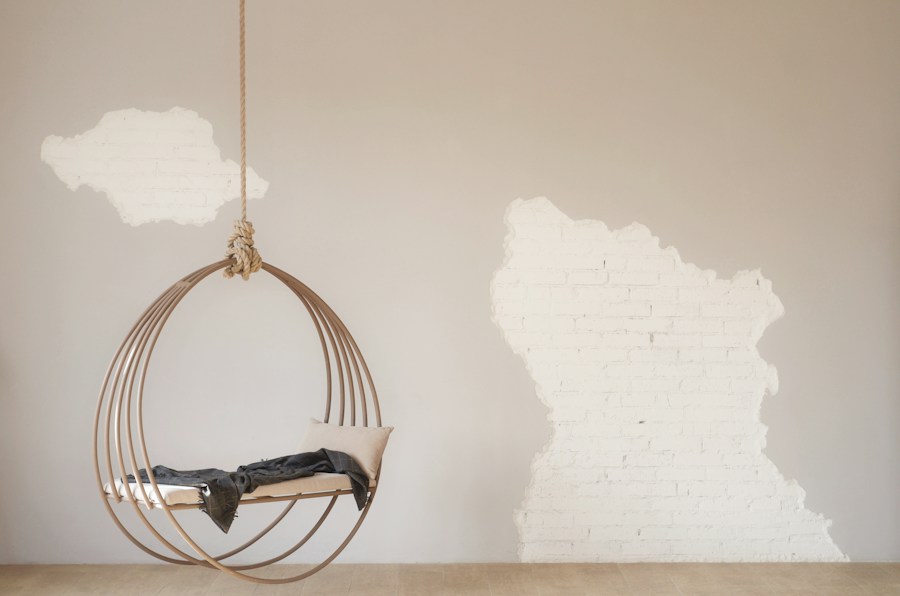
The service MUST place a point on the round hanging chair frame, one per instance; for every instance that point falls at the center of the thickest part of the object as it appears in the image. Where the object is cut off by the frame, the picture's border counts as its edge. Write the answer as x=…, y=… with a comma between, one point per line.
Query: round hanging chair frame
x=120, y=446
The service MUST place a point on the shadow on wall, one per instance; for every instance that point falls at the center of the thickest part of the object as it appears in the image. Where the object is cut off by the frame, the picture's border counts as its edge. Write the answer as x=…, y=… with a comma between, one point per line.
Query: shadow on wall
x=650, y=370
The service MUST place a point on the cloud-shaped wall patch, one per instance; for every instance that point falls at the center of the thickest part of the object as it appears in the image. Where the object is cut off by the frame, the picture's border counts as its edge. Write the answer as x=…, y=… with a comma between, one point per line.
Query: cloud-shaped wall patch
x=152, y=166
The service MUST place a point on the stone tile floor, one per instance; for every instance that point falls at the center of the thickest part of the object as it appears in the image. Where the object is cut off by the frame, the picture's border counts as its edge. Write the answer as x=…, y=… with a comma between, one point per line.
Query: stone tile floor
x=730, y=579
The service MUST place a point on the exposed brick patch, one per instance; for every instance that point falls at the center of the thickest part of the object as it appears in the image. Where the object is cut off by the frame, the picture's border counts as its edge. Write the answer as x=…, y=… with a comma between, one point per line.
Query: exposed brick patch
x=153, y=166
x=650, y=370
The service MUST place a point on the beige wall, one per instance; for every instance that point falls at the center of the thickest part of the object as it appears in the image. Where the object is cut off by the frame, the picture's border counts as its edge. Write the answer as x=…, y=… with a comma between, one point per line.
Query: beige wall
x=393, y=135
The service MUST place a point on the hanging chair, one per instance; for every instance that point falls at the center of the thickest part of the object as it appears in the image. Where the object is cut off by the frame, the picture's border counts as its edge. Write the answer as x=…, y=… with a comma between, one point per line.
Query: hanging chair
x=120, y=446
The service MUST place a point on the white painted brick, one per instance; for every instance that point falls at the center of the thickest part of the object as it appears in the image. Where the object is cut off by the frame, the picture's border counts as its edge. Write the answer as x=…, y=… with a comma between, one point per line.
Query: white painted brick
x=679, y=280
x=668, y=340
x=658, y=488
x=755, y=489
x=738, y=327
x=121, y=167
x=523, y=215
x=564, y=294
x=705, y=385
x=197, y=152
x=720, y=443
x=704, y=326
x=633, y=278
x=711, y=414
x=538, y=276
x=538, y=231
x=746, y=295
x=697, y=458
x=614, y=263
x=701, y=489
x=507, y=309
x=730, y=370
x=652, y=460
x=566, y=534
x=681, y=370
x=682, y=474
x=654, y=385
x=742, y=355
x=653, y=354
x=186, y=137
x=554, y=549
x=578, y=339
x=603, y=295
x=626, y=340
x=664, y=264
x=703, y=294
x=649, y=429
x=566, y=503
x=576, y=309
x=586, y=277
x=748, y=385
x=680, y=400
x=607, y=459
x=724, y=310
x=650, y=516
x=625, y=474
x=548, y=323
x=630, y=370
x=724, y=504
x=553, y=519
x=617, y=533
x=626, y=309
x=724, y=341
x=510, y=322
x=620, y=445
x=600, y=517
x=613, y=325
x=639, y=401
x=738, y=459
x=585, y=234
x=526, y=246
x=524, y=338
x=675, y=443
x=603, y=355
x=657, y=295
x=643, y=548
x=567, y=414
x=674, y=309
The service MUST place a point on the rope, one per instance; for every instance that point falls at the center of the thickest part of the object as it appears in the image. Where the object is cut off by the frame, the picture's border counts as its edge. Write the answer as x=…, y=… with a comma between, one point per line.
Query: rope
x=243, y=117
x=245, y=258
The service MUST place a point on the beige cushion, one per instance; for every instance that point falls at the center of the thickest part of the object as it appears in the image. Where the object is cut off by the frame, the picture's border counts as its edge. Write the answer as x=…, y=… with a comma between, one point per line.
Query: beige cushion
x=364, y=444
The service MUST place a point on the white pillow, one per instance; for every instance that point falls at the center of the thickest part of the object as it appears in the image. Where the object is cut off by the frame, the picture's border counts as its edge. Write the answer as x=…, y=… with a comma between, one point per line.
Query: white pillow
x=365, y=444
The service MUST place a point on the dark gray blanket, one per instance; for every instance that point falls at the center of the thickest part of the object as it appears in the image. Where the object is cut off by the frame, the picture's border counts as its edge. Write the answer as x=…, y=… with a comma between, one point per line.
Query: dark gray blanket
x=221, y=491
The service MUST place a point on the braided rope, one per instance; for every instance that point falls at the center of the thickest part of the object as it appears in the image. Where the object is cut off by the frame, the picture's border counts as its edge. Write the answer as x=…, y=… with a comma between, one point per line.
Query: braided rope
x=245, y=258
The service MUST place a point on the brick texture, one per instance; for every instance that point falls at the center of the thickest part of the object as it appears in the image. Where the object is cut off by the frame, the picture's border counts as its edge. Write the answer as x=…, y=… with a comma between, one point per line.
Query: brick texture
x=153, y=166
x=649, y=368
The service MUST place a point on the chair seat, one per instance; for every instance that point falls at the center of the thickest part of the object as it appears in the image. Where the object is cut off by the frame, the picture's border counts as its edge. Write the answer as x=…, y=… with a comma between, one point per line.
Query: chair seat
x=188, y=495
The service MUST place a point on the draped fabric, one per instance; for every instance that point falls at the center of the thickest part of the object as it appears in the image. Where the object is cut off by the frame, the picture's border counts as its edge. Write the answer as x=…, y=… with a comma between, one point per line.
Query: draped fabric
x=221, y=491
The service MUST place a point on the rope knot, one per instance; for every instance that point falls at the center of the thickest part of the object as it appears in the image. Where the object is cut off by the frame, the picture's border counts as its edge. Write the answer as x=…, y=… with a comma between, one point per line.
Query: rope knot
x=245, y=258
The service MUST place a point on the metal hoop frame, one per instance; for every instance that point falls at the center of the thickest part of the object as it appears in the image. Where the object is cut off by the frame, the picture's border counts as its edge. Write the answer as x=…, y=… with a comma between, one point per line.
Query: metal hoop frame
x=119, y=418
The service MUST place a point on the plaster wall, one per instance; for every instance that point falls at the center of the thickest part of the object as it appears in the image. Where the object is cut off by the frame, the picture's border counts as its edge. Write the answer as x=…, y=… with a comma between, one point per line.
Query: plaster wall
x=393, y=136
